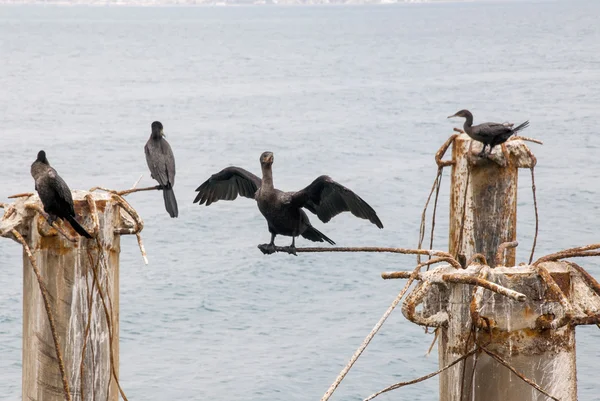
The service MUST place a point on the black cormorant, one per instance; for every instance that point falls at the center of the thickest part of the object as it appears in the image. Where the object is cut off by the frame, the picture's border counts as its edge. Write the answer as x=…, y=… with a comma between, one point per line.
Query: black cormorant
x=54, y=193
x=283, y=210
x=161, y=163
x=490, y=134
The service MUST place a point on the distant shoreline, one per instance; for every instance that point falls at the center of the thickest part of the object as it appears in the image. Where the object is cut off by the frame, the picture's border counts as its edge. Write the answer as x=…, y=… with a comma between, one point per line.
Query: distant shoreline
x=217, y=3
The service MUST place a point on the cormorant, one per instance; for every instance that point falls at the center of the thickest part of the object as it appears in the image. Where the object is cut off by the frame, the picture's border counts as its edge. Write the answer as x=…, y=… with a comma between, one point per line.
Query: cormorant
x=54, y=193
x=283, y=210
x=161, y=163
x=490, y=134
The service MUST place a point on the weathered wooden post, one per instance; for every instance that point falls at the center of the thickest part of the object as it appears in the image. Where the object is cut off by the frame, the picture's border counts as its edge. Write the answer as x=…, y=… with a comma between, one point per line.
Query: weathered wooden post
x=513, y=339
x=81, y=293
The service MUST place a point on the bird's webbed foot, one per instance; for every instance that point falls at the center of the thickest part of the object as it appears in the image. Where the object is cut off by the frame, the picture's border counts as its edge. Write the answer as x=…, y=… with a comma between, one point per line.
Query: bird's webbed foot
x=267, y=249
x=289, y=249
x=51, y=219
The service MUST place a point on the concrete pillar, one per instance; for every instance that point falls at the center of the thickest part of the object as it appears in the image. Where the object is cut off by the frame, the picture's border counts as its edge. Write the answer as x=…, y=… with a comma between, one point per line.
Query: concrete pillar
x=483, y=215
x=487, y=216
x=75, y=274
x=545, y=356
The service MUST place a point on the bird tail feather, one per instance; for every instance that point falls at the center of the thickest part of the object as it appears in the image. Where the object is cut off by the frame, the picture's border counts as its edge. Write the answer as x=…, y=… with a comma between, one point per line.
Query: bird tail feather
x=170, y=202
x=313, y=234
x=77, y=227
x=521, y=127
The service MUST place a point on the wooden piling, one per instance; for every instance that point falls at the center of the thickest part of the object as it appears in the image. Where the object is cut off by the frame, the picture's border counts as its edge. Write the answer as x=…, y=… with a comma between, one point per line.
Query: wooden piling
x=82, y=282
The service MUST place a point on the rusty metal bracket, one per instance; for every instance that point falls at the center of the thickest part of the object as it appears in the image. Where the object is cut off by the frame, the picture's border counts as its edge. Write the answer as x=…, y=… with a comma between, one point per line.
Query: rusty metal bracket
x=488, y=285
x=477, y=257
x=138, y=224
x=442, y=151
x=411, y=302
x=502, y=249
x=38, y=209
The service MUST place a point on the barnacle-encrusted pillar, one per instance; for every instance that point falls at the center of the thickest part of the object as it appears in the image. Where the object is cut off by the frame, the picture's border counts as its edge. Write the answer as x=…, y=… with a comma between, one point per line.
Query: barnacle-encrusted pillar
x=82, y=281
x=483, y=215
x=483, y=199
x=536, y=337
x=520, y=331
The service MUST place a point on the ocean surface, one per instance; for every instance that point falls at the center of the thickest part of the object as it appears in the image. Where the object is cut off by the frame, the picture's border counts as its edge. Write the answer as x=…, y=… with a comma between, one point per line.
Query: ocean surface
x=360, y=93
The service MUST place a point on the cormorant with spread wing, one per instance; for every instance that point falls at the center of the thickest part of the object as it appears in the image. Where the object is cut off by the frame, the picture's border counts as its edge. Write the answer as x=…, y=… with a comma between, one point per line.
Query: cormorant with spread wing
x=490, y=134
x=161, y=163
x=283, y=210
x=54, y=193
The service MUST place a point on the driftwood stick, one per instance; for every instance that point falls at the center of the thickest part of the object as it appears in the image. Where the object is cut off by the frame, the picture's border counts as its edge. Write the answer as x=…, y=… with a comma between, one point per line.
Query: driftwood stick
x=142, y=248
x=132, y=190
x=22, y=195
x=462, y=279
x=135, y=184
x=45, y=296
x=126, y=191
x=400, y=275
x=404, y=251
x=527, y=139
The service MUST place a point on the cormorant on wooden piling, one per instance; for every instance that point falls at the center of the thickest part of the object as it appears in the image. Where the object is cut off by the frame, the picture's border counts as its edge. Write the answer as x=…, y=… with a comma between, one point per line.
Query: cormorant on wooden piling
x=283, y=210
x=161, y=163
x=490, y=134
x=54, y=193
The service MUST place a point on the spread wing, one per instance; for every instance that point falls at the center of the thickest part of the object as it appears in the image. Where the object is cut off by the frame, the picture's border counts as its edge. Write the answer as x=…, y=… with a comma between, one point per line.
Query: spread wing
x=326, y=198
x=161, y=162
x=227, y=184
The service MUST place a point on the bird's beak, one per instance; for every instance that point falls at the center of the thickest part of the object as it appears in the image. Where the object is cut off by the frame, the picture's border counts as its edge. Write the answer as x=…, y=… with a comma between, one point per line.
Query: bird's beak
x=162, y=133
x=270, y=159
x=453, y=115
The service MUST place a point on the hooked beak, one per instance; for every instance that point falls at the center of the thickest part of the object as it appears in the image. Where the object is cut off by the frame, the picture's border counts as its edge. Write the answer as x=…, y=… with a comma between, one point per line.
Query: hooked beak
x=453, y=115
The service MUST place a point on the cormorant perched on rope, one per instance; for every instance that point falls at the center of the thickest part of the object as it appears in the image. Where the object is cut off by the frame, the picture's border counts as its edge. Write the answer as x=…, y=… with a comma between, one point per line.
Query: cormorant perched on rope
x=490, y=134
x=161, y=163
x=54, y=193
x=283, y=210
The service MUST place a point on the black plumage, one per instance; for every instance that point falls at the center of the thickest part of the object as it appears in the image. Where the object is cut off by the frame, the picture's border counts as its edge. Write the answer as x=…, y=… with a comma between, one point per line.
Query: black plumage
x=284, y=210
x=161, y=163
x=54, y=193
x=490, y=134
